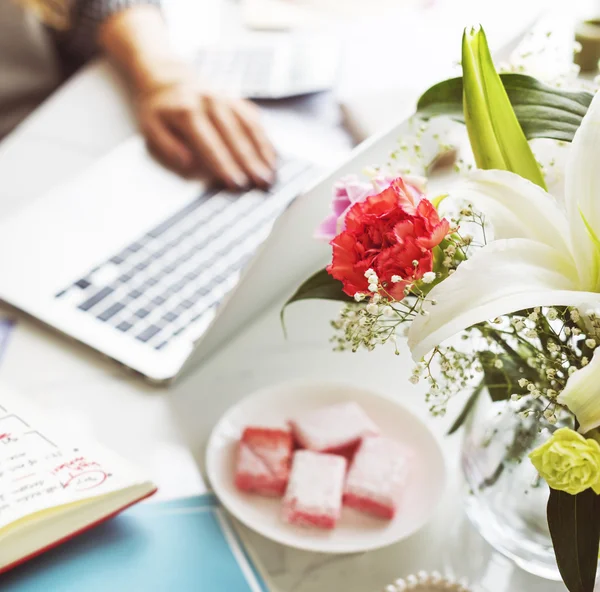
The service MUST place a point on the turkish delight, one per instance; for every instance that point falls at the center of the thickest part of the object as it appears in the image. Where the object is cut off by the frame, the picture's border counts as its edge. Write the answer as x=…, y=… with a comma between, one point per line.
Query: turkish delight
x=314, y=493
x=263, y=461
x=377, y=477
x=336, y=429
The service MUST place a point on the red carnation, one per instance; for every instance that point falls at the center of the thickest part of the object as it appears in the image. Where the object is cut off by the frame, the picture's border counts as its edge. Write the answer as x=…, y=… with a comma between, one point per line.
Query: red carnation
x=387, y=232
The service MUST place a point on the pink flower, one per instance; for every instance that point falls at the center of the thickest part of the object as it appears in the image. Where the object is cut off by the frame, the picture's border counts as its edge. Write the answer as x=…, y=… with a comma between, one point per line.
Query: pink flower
x=350, y=190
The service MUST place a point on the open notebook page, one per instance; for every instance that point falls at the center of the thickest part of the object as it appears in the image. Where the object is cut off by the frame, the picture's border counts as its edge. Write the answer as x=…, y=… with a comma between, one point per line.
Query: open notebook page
x=39, y=470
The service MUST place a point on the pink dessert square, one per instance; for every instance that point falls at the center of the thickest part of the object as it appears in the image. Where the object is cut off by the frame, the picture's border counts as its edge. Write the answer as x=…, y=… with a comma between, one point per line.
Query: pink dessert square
x=377, y=477
x=336, y=429
x=263, y=461
x=314, y=493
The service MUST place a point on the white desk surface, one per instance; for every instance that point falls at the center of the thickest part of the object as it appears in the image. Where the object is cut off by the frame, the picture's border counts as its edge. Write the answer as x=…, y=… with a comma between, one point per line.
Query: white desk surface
x=164, y=431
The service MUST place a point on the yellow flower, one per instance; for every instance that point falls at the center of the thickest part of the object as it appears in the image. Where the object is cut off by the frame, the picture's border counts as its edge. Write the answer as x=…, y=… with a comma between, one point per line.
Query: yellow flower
x=569, y=462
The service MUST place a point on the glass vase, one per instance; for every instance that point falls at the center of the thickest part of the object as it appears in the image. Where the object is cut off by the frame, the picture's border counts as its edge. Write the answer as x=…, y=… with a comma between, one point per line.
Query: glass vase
x=505, y=498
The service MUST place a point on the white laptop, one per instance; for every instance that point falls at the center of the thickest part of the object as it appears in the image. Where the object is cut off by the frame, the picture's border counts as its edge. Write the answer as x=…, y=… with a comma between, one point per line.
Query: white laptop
x=133, y=260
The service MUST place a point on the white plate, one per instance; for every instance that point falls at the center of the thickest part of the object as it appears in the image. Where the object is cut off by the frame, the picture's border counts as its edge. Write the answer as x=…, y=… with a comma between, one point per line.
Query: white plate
x=355, y=532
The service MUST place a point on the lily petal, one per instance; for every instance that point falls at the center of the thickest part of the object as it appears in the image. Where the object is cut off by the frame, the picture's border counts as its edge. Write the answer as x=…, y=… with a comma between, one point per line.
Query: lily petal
x=503, y=277
x=582, y=395
x=516, y=207
x=582, y=188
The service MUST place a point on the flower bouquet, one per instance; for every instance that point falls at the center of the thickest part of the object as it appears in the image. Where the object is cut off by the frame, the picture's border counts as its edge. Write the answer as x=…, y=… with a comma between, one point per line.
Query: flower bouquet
x=495, y=281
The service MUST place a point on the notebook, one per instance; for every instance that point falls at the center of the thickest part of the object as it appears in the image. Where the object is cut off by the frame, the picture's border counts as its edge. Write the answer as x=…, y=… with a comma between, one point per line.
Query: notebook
x=51, y=488
x=184, y=545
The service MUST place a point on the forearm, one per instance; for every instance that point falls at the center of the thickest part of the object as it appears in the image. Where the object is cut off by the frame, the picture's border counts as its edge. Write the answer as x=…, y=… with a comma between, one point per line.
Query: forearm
x=137, y=42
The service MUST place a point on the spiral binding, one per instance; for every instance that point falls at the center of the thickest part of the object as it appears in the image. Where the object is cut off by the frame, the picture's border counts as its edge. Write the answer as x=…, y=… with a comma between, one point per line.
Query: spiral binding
x=424, y=582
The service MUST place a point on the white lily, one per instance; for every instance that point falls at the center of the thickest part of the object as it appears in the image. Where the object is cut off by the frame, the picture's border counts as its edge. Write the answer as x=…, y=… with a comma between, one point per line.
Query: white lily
x=544, y=254
x=582, y=394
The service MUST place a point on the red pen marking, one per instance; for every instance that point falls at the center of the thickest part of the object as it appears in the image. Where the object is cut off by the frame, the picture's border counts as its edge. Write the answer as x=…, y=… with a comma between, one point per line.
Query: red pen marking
x=24, y=477
x=86, y=480
x=80, y=474
x=75, y=464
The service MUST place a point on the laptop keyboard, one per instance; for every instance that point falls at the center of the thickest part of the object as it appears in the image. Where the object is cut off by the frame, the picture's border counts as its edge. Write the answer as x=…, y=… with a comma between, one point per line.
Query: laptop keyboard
x=168, y=283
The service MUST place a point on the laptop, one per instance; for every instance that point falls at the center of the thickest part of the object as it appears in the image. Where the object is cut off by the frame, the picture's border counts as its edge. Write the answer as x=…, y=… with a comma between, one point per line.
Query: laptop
x=134, y=261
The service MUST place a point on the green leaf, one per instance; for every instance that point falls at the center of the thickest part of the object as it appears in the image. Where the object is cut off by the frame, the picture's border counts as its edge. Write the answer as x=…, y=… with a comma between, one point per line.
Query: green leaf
x=497, y=140
x=574, y=522
x=467, y=408
x=319, y=286
x=542, y=111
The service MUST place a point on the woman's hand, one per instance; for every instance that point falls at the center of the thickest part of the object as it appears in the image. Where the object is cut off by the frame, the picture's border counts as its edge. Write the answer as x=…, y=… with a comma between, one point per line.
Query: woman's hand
x=187, y=129
x=191, y=131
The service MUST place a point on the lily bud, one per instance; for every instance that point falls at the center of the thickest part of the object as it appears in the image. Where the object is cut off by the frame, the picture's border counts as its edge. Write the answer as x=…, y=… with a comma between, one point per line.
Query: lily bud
x=496, y=137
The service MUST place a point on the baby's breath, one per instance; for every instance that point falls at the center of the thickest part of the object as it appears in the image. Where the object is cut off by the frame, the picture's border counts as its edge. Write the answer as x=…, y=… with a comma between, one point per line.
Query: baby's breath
x=541, y=354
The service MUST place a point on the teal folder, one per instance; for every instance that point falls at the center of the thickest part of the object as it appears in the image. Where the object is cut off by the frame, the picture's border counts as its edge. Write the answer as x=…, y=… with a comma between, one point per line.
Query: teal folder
x=185, y=545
